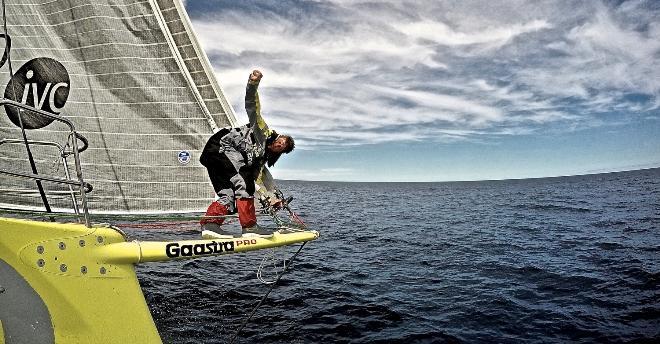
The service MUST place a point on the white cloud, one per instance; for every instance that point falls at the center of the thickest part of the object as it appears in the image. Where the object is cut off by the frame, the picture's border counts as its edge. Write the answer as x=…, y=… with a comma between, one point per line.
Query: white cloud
x=601, y=55
x=441, y=33
x=446, y=103
x=353, y=73
x=315, y=174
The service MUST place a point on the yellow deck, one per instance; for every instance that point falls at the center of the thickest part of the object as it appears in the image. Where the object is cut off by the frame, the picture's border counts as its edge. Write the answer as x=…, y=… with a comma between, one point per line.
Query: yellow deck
x=86, y=277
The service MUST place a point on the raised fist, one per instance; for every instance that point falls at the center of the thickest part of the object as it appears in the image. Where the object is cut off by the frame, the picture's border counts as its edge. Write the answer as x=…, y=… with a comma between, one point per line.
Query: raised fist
x=256, y=75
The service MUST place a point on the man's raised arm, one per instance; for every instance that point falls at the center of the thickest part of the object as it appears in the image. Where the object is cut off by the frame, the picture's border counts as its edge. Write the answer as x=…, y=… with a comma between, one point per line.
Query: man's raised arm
x=252, y=105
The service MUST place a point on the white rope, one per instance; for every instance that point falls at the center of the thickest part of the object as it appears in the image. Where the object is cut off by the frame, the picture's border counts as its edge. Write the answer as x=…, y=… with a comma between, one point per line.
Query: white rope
x=270, y=260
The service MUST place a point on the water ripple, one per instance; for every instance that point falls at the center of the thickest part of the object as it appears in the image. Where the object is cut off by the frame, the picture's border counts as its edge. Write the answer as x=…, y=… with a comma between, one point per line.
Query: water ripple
x=555, y=260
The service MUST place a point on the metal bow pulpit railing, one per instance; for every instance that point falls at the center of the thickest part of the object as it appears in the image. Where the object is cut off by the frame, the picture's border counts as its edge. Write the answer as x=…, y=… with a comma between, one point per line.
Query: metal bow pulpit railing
x=73, y=137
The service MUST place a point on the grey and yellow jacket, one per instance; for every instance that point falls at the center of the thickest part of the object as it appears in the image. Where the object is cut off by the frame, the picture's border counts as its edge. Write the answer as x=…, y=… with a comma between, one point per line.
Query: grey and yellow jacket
x=250, y=142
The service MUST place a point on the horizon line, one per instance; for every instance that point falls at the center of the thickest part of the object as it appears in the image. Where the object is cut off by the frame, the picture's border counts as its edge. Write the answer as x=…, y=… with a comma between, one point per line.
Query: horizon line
x=476, y=180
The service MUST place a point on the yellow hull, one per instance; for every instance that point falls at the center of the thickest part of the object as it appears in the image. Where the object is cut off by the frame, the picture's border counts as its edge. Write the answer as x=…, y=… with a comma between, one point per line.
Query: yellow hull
x=80, y=282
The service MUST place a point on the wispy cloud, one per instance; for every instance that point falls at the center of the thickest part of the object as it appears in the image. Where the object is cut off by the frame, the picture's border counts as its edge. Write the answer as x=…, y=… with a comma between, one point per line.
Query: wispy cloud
x=352, y=73
x=315, y=174
x=441, y=33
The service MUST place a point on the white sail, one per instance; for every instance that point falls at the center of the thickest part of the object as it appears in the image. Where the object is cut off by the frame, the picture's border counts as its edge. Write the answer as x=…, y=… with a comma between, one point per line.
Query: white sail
x=135, y=82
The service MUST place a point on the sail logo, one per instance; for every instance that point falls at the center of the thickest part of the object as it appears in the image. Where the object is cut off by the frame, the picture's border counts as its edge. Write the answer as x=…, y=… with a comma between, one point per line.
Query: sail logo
x=42, y=83
x=184, y=157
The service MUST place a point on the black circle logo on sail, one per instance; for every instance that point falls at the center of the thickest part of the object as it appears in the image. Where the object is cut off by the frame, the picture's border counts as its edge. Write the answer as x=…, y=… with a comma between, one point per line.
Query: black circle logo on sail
x=42, y=83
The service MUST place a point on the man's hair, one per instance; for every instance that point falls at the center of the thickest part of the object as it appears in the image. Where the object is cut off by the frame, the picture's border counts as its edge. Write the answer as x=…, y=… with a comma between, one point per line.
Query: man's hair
x=290, y=144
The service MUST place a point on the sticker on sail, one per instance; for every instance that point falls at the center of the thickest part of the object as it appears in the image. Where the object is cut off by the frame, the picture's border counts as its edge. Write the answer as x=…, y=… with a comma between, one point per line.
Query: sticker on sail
x=184, y=157
x=42, y=83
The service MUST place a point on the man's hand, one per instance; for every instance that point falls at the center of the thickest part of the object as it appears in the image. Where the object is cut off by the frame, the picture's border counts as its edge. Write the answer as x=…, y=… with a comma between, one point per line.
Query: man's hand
x=256, y=75
x=276, y=203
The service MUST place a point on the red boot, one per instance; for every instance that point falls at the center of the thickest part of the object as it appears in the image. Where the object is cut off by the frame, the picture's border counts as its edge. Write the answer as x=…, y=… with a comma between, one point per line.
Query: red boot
x=247, y=215
x=215, y=209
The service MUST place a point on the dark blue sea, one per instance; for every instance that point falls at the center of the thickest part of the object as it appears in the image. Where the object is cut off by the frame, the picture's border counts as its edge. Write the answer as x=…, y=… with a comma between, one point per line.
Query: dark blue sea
x=553, y=260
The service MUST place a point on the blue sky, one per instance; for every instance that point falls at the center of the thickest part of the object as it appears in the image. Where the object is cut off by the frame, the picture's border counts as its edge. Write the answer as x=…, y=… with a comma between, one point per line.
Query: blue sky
x=445, y=90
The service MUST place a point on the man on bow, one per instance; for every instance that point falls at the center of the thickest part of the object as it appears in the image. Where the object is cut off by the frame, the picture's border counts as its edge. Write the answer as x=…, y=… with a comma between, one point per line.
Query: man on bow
x=236, y=160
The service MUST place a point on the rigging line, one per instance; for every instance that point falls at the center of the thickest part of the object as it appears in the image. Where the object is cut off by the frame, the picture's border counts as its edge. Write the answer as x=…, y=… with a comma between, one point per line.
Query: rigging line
x=126, y=217
x=20, y=117
x=272, y=286
x=157, y=225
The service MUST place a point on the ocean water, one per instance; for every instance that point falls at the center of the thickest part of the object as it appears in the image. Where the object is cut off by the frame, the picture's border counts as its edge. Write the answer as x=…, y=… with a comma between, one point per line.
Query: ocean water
x=554, y=260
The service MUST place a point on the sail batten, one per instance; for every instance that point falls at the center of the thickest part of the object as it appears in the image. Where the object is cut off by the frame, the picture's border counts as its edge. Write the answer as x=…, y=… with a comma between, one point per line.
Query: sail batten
x=135, y=82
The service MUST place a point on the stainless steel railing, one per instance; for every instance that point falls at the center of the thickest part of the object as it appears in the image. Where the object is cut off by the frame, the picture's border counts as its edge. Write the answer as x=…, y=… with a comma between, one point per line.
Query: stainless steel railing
x=74, y=136
x=63, y=154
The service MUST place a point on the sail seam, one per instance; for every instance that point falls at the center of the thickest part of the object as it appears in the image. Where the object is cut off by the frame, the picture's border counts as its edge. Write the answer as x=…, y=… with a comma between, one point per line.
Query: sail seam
x=81, y=33
x=81, y=19
x=182, y=66
x=91, y=46
x=95, y=4
x=206, y=64
x=118, y=134
x=43, y=161
x=129, y=103
x=113, y=58
x=99, y=212
x=142, y=182
x=127, y=88
x=141, y=166
x=145, y=118
x=126, y=72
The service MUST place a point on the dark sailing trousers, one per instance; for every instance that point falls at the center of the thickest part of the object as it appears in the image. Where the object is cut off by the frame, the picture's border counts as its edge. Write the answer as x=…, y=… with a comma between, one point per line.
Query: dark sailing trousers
x=231, y=179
